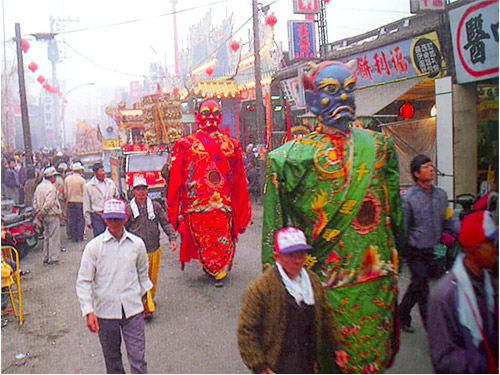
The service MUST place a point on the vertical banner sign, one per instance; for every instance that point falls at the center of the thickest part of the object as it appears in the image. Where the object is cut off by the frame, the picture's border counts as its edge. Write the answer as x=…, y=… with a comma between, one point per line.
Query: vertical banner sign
x=306, y=6
x=474, y=30
x=301, y=39
x=267, y=103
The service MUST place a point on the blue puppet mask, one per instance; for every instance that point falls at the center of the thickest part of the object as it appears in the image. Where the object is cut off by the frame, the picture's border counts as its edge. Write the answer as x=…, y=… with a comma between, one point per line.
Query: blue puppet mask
x=329, y=93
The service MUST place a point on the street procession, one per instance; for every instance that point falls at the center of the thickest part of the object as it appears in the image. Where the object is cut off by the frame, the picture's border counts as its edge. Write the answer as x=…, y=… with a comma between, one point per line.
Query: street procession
x=232, y=187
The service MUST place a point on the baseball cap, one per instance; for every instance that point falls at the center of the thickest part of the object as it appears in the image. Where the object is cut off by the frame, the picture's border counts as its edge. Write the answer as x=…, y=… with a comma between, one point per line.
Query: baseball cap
x=139, y=181
x=62, y=166
x=50, y=171
x=290, y=239
x=476, y=228
x=77, y=166
x=114, y=209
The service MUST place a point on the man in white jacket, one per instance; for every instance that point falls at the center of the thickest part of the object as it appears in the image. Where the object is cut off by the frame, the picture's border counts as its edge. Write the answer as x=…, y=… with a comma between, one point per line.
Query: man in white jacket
x=95, y=192
x=112, y=280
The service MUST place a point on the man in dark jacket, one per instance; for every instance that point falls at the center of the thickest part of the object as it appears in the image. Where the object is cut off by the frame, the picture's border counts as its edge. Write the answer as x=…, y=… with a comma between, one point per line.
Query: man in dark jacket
x=463, y=308
x=286, y=322
x=145, y=217
x=426, y=216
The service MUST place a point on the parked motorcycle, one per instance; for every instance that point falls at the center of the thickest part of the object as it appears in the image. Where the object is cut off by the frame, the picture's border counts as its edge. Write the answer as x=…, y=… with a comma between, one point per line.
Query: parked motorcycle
x=17, y=222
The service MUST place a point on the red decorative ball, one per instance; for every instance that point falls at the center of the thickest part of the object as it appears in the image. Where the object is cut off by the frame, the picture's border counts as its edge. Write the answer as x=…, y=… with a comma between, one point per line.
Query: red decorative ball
x=209, y=71
x=271, y=20
x=25, y=45
x=406, y=111
x=47, y=87
x=235, y=45
x=33, y=66
x=40, y=78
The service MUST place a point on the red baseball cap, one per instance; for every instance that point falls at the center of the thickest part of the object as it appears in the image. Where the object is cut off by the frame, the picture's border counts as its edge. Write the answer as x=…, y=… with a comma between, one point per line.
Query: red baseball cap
x=476, y=228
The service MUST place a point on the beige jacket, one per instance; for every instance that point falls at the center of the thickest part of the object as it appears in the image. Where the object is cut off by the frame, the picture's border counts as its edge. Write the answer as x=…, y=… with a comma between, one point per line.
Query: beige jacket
x=45, y=201
x=73, y=188
x=93, y=197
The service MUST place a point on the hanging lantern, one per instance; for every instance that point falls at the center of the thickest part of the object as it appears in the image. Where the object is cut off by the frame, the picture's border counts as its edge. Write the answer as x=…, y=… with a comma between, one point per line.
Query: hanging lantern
x=25, y=45
x=271, y=20
x=406, y=111
x=175, y=90
x=209, y=71
x=235, y=45
x=33, y=66
x=40, y=78
x=46, y=86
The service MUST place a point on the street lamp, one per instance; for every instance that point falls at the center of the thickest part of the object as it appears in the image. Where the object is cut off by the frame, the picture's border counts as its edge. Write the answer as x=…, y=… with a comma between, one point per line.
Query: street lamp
x=64, y=107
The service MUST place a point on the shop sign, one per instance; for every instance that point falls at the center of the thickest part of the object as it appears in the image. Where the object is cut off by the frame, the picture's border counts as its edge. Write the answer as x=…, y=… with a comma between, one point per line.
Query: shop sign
x=417, y=6
x=302, y=39
x=110, y=144
x=290, y=88
x=418, y=56
x=306, y=6
x=474, y=30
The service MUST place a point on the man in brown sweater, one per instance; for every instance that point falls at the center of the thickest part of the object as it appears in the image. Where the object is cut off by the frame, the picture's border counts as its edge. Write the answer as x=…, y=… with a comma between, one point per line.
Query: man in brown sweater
x=286, y=323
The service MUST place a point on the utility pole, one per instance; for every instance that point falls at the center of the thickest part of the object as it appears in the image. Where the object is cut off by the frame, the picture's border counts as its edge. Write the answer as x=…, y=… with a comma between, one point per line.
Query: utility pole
x=322, y=30
x=5, y=105
x=176, y=46
x=22, y=96
x=259, y=110
x=53, y=54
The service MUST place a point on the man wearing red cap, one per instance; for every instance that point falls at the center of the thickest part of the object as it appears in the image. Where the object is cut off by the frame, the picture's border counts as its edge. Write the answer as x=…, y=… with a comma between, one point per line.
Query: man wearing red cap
x=286, y=323
x=462, y=321
x=208, y=201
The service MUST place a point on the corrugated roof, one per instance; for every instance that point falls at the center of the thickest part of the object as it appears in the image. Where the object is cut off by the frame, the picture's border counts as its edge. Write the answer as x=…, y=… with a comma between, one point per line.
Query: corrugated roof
x=216, y=88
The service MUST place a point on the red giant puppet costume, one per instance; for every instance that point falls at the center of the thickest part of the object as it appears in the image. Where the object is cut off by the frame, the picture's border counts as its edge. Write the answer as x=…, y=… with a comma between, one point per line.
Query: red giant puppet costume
x=208, y=202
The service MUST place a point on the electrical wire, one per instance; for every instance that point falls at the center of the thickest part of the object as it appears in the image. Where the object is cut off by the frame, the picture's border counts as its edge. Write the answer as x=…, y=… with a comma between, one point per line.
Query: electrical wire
x=142, y=19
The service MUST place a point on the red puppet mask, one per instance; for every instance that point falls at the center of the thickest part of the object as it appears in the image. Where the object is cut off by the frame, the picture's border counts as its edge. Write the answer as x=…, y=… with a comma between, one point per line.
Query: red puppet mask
x=209, y=115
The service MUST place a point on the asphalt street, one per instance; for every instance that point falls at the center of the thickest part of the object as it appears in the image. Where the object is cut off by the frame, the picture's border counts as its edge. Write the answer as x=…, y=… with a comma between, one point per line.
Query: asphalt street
x=193, y=330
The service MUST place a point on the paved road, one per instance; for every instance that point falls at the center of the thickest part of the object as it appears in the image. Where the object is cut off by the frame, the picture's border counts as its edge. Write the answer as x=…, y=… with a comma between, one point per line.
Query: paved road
x=193, y=330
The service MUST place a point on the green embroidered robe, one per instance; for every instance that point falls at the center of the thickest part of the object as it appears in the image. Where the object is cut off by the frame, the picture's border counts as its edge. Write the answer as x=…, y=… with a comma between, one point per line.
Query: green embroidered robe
x=343, y=192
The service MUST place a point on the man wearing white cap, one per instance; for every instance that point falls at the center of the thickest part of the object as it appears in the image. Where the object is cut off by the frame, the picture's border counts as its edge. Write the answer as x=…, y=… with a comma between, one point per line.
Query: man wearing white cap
x=144, y=218
x=48, y=210
x=112, y=280
x=73, y=192
x=286, y=323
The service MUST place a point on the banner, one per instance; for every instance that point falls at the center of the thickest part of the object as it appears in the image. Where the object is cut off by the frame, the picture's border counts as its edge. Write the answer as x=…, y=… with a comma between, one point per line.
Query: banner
x=306, y=6
x=302, y=39
x=474, y=30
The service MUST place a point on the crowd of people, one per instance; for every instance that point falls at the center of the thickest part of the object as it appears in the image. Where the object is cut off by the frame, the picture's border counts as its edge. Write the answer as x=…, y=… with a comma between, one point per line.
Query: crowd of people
x=334, y=228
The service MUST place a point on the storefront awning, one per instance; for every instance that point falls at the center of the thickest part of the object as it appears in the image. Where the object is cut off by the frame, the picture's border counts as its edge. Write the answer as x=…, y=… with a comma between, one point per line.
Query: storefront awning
x=215, y=88
x=372, y=99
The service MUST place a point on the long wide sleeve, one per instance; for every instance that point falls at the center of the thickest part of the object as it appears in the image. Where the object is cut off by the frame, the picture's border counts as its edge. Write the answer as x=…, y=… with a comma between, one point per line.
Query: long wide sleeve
x=394, y=197
x=175, y=183
x=240, y=199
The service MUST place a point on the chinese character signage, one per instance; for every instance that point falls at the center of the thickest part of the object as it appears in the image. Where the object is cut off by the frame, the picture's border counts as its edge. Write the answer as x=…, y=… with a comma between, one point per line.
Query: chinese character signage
x=306, y=6
x=417, y=6
x=302, y=39
x=474, y=29
x=418, y=56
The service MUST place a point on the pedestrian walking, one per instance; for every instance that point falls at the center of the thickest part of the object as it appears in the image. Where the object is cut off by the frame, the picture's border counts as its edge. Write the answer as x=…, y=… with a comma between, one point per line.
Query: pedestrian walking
x=10, y=182
x=286, y=323
x=73, y=193
x=426, y=216
x=112, y=280
x=462, y=321
x=95, y=192
x=48, y=211
x=144, y=218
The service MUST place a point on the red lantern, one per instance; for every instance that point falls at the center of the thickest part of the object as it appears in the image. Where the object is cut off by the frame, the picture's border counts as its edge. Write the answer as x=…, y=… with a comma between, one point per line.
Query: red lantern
x=209, y=71
x=235, y=45
x=175, y=90
x=25, y=45
x=40, y=78
x=271, y=20
x=406, y=111
x=33, y=66
x=47, y=87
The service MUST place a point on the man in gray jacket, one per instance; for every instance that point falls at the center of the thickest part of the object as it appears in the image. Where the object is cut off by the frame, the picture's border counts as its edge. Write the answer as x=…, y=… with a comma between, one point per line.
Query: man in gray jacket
x=48, y=210
x=426, y=216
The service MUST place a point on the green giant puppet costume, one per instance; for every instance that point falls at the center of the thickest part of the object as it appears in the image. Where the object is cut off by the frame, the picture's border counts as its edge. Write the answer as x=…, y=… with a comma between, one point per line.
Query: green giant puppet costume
x=341, y=187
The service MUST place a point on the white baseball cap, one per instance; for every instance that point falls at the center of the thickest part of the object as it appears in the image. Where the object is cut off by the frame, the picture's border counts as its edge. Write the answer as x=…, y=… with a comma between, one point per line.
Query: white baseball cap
x=114, y=209
x=139, y=181
x=50, y=171
x=77, y=166
x=290, y=239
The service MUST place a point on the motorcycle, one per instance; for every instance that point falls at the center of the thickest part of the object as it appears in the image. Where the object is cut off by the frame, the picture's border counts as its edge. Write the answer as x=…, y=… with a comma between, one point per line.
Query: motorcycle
x=17, y=223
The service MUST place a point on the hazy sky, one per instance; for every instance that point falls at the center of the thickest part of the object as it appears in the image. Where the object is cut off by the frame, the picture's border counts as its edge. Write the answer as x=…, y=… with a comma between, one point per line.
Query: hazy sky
x=116, y=55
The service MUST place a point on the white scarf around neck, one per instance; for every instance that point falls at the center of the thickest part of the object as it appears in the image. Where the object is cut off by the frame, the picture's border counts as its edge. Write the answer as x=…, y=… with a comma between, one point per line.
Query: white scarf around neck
x=464, y=287
x=149, y=208
x=299, y=288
